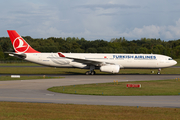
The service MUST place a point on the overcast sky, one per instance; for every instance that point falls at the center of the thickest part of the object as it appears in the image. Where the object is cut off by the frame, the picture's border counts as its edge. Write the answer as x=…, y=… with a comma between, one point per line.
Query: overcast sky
x=92, y=19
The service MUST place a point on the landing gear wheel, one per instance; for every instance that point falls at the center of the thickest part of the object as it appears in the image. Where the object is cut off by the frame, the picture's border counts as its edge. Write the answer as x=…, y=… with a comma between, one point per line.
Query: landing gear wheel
x=88, y=73
x=158, y=73
x=93, y=73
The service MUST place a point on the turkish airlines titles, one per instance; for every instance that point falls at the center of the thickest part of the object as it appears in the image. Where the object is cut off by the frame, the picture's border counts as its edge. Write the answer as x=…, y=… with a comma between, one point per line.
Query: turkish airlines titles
x=149, y=57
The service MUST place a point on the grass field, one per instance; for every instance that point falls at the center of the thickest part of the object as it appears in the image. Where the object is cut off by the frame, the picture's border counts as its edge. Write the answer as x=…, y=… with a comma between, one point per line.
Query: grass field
x=44, y=111
x=149, y=88
x=19, y=64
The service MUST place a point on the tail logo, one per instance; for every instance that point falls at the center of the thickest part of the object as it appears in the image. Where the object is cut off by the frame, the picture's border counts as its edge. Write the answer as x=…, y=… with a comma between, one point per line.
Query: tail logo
x=20, y=45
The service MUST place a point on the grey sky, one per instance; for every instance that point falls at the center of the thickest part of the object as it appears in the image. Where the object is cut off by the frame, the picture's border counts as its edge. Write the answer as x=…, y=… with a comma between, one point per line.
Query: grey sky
x=92, y=19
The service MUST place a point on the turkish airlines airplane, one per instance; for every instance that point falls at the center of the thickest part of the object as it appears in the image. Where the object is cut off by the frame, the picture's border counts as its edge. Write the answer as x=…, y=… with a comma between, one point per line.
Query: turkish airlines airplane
x=105, y=62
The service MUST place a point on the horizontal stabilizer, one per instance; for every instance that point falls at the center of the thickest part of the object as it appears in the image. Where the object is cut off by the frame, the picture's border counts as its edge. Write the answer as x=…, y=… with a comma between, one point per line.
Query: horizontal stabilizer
x=18, y=55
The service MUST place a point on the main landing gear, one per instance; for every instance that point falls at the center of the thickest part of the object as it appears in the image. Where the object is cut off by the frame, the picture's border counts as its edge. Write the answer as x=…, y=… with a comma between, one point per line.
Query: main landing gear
x=91, y=72
x=159, y=71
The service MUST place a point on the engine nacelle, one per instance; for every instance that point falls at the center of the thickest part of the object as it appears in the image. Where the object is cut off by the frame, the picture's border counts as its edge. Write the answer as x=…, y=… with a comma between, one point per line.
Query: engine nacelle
x=110, y=68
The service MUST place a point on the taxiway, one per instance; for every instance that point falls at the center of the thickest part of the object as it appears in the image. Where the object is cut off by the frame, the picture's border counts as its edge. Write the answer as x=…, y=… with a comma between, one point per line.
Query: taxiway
x=36, y=91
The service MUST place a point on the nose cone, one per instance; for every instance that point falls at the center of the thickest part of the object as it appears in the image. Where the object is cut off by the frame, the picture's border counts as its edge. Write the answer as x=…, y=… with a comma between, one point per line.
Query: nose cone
x=174, y=62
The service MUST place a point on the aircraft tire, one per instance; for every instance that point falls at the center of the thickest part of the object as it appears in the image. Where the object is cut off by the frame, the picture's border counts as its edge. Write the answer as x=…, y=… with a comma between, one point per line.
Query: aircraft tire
x=93, y=73
x=88, y=73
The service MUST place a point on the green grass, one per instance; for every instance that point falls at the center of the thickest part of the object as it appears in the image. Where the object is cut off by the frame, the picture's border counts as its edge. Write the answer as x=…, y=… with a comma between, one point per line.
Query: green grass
x=8, y=78
x=19, y=64
x=45, y=111
x=40, y=70
x=149, y=88
x=148, y=71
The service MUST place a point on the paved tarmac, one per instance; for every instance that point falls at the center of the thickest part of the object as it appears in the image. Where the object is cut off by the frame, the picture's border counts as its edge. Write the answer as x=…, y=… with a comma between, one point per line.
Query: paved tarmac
x=36, y=91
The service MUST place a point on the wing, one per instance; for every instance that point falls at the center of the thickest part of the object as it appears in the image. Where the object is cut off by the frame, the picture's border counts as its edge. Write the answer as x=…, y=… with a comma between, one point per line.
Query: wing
x=86, y=61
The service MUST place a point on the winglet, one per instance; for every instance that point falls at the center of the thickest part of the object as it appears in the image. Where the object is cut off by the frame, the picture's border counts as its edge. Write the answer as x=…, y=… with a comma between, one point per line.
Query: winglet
x=61, y=55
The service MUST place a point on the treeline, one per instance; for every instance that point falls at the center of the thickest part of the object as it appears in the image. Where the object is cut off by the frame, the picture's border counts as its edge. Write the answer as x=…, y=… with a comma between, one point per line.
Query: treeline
x=76, y=45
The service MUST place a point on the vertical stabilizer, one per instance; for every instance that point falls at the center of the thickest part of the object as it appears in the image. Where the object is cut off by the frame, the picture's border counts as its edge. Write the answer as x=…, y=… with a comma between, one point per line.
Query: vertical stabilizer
x=19, y=44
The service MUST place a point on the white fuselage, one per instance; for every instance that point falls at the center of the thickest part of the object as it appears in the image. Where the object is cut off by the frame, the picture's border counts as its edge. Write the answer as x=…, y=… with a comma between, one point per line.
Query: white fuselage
x=123, y=60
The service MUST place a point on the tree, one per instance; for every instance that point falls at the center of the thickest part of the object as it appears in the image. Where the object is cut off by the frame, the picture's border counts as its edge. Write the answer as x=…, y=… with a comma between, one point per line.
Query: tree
x=91, y=50
x=1, y=54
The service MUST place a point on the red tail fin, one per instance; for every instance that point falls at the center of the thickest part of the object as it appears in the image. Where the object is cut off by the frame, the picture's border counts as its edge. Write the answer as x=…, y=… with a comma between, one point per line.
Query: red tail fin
x=19, y=44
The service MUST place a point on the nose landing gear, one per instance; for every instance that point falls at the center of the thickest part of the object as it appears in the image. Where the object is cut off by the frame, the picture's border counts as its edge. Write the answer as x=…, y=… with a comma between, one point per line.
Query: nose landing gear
x=159, y=71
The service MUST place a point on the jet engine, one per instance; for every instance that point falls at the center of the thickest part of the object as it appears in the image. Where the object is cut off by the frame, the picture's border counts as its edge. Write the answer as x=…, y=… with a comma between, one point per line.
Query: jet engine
x=110, y=68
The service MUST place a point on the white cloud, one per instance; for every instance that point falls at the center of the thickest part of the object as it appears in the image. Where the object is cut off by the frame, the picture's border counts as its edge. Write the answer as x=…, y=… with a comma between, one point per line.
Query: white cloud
x=174, y=30
x=108, y=6
x=153, y=31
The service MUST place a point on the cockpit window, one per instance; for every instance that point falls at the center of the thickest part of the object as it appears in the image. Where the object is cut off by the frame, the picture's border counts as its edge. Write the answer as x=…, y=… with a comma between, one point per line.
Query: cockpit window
x=170, y=59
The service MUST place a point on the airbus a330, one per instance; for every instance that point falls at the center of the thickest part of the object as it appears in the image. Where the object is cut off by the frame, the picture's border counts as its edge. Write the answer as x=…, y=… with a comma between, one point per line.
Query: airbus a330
x=111, y=63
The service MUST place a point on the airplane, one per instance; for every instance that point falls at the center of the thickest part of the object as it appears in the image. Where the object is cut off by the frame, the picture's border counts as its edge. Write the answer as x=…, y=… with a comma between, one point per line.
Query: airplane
x=111, y=63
